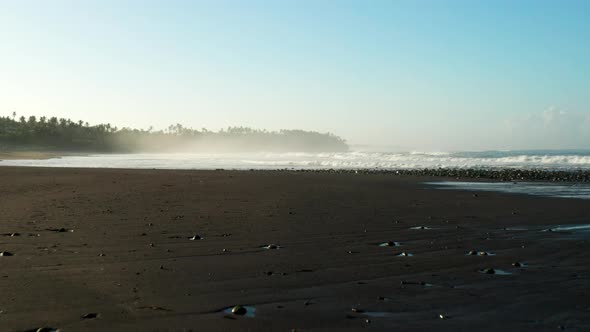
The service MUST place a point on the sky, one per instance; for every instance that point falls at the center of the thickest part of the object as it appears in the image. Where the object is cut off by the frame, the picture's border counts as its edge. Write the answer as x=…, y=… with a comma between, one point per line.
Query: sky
x=406, y=75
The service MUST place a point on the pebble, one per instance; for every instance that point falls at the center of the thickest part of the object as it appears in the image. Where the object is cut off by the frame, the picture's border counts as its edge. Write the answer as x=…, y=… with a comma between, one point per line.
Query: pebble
x=91, y=315
x=239, y=310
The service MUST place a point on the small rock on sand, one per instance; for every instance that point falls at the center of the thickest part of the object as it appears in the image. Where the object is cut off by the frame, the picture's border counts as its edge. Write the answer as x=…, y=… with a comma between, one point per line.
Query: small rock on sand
x=90, y=315
x=239, y=310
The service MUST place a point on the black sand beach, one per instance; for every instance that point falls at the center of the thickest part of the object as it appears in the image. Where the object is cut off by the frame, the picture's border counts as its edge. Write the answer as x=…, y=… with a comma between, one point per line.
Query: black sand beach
x=119, y=250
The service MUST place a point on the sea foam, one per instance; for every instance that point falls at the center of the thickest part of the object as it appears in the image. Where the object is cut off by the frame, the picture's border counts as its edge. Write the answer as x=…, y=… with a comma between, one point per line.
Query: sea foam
x=349, y=160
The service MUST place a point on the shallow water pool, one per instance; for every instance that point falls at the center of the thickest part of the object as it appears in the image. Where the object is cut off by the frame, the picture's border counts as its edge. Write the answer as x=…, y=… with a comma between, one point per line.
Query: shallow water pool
x=579, y=191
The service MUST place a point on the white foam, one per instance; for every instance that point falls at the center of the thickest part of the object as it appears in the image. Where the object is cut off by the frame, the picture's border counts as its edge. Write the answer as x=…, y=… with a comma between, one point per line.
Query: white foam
x=349, y=160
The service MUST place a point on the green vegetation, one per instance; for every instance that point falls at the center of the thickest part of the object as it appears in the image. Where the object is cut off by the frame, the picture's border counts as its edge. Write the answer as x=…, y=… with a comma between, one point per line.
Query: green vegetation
x=65, y=135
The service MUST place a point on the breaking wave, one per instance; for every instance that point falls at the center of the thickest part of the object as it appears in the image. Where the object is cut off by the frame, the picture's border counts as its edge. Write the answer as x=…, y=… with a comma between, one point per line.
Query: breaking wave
x=550, y=160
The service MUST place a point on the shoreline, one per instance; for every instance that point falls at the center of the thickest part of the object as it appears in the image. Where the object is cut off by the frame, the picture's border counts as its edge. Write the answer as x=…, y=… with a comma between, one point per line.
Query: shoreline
x=494, y=173
x=125, y=257
x=501, y=174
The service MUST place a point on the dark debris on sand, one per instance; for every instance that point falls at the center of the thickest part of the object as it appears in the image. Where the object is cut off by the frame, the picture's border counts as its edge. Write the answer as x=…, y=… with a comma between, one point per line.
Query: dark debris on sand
x=472, y=173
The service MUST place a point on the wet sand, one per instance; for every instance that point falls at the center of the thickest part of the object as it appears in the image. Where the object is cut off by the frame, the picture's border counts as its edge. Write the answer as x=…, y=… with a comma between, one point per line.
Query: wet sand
x=116, y=243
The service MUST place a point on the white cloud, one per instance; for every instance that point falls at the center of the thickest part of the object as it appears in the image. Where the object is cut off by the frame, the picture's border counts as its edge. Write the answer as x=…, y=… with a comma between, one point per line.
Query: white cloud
x=553, y=128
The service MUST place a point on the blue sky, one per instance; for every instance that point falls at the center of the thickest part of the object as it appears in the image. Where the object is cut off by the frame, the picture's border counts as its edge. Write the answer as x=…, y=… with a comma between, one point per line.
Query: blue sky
x=429, y=75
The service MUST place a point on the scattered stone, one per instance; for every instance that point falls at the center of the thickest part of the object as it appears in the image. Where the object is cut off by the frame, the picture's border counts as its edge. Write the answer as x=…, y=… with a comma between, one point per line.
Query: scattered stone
x=60, y=230
x=45, y=329
x=271, y=246
x=421, y=283
x=239, y=310
x=91, y=315
x=195, y=237
x=441, y=316
x=472, y=253
x=155, y=308
x=420, y=227
x=389, y=244
x=357, y=310
x=6, y=253
x=488, y=271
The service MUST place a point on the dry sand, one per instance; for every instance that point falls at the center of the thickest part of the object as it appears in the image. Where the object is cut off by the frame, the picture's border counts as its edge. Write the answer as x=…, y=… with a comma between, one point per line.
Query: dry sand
x=125, y=253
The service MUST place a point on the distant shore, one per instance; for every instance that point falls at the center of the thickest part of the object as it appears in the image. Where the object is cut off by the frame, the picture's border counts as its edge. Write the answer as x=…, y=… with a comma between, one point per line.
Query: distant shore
x=171, y=250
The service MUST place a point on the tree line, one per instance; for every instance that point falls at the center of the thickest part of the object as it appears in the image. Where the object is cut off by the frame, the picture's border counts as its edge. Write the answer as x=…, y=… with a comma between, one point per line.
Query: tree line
x=61, y=134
